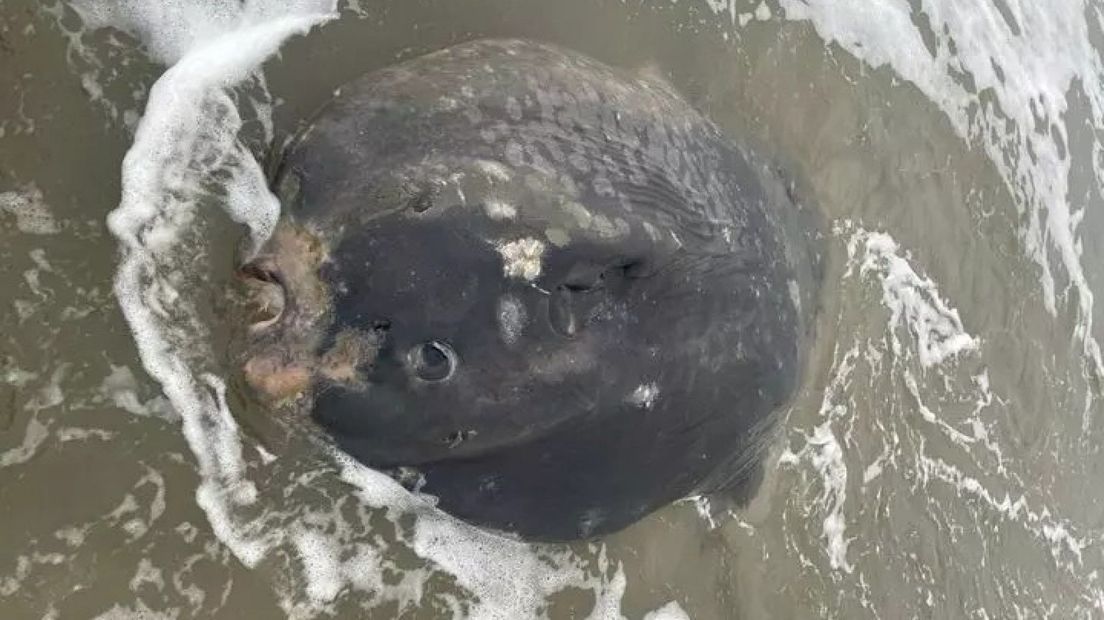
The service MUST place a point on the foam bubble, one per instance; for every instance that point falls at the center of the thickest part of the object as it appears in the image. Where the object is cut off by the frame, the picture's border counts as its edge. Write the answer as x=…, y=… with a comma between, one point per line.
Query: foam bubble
x=32, y=215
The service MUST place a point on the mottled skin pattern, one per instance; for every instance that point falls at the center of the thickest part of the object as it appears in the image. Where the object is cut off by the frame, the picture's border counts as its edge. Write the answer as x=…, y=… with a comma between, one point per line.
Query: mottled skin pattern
x=555, y=295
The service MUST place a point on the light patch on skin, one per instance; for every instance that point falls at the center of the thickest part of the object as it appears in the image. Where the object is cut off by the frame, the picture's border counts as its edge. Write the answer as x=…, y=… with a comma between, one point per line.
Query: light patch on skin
x=644, y=396
x=352, y=348
x=604, y=226
x=580, y=213
x=557, y=237
x=493, y=170
x=522, y=258
x=511, y=318
x=576, y=358
x=275, y=379
x=498, y=210
x=568, y=185
x=795, y=294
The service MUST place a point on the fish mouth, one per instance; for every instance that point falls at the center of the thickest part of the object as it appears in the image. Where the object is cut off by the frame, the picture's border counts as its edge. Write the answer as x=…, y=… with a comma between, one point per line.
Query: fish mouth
x=267, y=298
x=289, y=344
x=284, y=308
x=270, y=368
x=283, y=291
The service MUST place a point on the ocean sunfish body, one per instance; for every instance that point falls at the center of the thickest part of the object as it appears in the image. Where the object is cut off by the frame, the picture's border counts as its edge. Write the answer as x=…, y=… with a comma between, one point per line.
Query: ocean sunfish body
x=547, y=288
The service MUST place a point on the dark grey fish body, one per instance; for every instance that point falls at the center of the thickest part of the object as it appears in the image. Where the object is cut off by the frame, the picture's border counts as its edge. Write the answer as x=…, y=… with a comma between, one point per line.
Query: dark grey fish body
x=555, y=291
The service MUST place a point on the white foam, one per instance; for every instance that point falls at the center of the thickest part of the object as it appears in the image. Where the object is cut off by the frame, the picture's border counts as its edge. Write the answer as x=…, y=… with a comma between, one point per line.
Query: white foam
x=670, y=611
x=120, y=388
x=147, y=573
x=928, y=347
x=763, y=11
x=72, y=536
x=50, y=394
x=34, y=434
x=1055, y=532
x=1019, y=63
x=213, y=46
x=914, y=301
x=23, y=565
x=36, y=430
x=824, y=452
x=916, y=308
x=71, y=433
x=17, y=376
x=703, y=507
x=509, y=579
x=137, y=611
x=32, y=215
x=936, y=337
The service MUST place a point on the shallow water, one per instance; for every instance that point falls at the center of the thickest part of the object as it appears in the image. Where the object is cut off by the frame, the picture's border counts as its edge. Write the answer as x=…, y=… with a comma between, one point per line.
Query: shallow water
x=941, y=459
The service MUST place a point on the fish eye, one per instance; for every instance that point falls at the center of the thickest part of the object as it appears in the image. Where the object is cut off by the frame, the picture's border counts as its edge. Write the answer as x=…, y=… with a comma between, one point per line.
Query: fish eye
x=432, y=361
